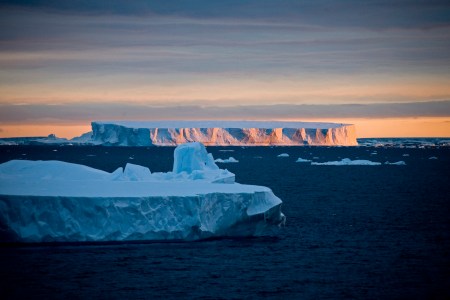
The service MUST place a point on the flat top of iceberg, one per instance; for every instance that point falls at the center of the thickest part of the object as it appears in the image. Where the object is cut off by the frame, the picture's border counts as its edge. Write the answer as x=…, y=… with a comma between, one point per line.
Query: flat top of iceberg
x=119, y=189
x=222, y=124
x=194, y=173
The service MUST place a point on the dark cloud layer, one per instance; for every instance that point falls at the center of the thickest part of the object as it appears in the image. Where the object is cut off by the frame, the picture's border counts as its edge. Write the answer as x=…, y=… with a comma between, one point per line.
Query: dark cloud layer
x=375, y=14
x=76, y=113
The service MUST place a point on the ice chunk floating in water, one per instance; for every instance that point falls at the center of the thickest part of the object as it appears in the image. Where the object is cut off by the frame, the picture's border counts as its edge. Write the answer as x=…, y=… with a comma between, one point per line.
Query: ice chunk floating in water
x=53, y=201
x=301, y=160
x=398, y=163
x=348, y=162
x=228, y=160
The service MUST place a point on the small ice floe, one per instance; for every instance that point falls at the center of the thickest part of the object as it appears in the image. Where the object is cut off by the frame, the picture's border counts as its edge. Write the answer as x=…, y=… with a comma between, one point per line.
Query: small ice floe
x=315, y=157
x=398, y=163
x=54, y=150
x=406, y=154
x=225, y=161
x=131, y=157
x=258, y=157
x=433, y=157
x=283, y=155
x=373, y=153
x=347, y=162
x=301, y=160
x=91, y=155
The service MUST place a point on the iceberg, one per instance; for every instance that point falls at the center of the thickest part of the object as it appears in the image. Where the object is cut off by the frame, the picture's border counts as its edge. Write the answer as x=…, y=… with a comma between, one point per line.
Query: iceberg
x=283, y=155
x=410, y=143
x=301, y=160
x=227, y=160
x=222, y=133
x=347, y=162
x=54, y=201
x=398, y=163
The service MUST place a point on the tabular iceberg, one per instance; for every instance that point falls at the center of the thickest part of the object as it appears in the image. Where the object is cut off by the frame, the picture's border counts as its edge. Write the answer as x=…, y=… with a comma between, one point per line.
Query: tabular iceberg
x=53, y=201
x=222, y=133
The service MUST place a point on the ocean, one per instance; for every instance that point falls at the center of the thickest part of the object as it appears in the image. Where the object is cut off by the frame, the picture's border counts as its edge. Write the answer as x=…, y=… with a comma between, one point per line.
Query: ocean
x=362, y=232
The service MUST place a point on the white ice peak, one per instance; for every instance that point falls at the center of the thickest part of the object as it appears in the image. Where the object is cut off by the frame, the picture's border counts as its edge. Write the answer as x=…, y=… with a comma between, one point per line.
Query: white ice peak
x=192, y=157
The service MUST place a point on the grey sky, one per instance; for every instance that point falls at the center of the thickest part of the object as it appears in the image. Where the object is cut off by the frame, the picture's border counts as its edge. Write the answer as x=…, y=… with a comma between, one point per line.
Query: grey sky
x=257, y=58
x=73, y=113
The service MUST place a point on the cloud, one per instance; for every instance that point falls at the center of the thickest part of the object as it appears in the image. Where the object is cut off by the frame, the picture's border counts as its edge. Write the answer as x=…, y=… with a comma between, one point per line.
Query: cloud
x=250, y=52
x=182, y=43
x=371, y=14
x=87, y=112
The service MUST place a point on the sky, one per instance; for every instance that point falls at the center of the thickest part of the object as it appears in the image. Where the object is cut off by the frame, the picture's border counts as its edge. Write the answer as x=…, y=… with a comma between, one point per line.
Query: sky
x=382, y=65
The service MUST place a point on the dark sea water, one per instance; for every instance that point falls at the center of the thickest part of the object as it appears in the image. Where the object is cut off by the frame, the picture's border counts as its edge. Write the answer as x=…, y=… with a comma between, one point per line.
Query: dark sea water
x=362, y=232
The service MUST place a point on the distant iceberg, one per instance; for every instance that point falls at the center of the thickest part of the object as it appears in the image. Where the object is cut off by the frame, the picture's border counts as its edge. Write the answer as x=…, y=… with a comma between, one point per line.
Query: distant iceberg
x=302, y=160
x=222, y=133
x=283, y=155
x=227, y=160
x=347, y=162
x=54, y=201
x=398, y=163
x=408, y=143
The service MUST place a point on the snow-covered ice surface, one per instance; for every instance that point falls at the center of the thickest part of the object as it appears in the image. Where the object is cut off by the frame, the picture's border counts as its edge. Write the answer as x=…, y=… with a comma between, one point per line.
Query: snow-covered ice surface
x=54, y=201
x=25, y=170
x=283, y=155
x=224, y=133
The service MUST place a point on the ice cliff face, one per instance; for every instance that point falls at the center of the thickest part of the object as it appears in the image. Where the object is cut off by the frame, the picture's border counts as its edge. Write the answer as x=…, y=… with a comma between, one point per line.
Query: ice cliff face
x=222, y=133
x=101, y=217
x=54, y=201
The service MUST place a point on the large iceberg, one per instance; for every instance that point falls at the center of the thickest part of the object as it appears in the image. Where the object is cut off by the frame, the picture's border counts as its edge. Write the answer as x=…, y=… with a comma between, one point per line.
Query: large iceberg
x=222, y=133
x=54, y=201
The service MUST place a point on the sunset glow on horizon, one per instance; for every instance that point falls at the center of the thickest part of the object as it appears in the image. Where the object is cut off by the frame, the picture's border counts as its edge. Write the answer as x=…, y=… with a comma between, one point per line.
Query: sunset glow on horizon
x=365, y=128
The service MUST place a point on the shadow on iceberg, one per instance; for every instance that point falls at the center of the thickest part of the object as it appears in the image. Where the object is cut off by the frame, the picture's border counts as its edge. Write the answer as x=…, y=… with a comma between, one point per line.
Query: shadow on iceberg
x=54, y=201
